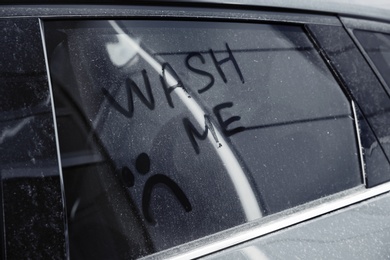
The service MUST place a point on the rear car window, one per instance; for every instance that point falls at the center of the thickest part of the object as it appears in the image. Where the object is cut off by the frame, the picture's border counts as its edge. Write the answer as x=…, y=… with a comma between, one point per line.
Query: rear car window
x=377, y=46
x=170, y=131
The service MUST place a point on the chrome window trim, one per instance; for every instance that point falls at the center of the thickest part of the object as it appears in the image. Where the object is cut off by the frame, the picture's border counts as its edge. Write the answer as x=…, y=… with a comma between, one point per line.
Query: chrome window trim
x=56, y=138
x=359, y=143
x=267, y=225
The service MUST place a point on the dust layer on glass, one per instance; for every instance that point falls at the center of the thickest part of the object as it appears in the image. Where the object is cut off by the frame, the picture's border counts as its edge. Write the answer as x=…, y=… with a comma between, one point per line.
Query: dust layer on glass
x=377, y=46
x=31, y=211
x=171, y=131
x=377, y=145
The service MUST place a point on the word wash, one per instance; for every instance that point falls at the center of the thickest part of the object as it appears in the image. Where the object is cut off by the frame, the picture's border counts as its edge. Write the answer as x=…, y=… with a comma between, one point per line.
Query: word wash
x=148, y=100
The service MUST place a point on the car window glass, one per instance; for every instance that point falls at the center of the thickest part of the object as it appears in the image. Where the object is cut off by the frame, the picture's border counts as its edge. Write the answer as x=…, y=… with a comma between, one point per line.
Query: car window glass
x=377, y=46
x=173, y=130
x=32, y=217
x=372, y=100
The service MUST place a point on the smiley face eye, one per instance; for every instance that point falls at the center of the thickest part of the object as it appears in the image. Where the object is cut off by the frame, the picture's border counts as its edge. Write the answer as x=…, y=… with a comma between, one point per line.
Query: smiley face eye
x=142, y=163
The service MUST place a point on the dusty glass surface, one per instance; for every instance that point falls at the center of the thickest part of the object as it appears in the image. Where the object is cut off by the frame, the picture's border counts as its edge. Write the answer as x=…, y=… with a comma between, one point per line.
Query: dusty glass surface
x=377, y=46
x=32, y=217
x=170, y=131
x=372, y=100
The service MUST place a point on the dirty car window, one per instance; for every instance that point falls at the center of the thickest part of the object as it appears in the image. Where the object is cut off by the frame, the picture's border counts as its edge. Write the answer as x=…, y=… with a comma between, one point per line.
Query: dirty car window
x=172, y=130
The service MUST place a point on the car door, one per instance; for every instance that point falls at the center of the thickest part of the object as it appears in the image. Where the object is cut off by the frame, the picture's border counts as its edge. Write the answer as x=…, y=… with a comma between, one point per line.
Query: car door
x=182, y=131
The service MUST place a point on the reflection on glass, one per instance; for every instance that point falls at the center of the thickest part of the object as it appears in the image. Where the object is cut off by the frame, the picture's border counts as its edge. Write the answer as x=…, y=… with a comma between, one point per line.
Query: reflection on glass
x=171, y=131
x=31, y=212
x=222, y=149
x=375, y=104
x=377, y=46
